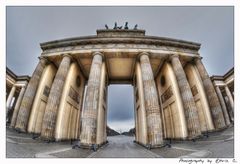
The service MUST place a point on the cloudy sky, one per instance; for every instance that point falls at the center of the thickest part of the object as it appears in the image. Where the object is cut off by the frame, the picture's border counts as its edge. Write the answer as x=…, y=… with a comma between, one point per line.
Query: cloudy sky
x=210, y=26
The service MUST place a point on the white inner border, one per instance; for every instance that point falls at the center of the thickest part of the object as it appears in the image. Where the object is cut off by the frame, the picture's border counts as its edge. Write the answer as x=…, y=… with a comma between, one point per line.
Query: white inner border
x=4, y=3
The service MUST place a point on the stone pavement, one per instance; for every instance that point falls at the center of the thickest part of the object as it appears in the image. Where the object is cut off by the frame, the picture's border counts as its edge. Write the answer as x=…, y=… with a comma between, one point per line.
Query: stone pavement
x=123, y=147
x=218, y=144
x=20, y=145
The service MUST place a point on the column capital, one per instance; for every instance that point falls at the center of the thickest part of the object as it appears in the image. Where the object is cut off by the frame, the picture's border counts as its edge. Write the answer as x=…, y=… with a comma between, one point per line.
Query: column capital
x=172, y=56
x=98, y=53
x=142, y=54
x=226, y=86
x=197, y=58
x=14, y=85
x=43, y=59
x=68, y=55
x=24, y=86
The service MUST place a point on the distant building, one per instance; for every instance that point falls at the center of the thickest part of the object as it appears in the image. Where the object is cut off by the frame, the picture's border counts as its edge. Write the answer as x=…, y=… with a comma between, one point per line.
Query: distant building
x=224, y=86
x=15, y=88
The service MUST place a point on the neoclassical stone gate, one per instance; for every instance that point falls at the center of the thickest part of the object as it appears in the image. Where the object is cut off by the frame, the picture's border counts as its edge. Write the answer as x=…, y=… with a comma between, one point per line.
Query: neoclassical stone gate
x=66, y=97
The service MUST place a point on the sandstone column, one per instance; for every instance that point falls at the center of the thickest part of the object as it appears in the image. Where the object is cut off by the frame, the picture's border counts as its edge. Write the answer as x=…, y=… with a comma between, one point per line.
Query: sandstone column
x=10, y=97
x=189, y=105
x=141, y=112
x=224, y=108
x=230, y=98
x=17, y=106
x=51, y=111
x=9, y=100
x=90, y=110
x=152, y=107
x=213, y=100
x=26, y=104
x=101, y=111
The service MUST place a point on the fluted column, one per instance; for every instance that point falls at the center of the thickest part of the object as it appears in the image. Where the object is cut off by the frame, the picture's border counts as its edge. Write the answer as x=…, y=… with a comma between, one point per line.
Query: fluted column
x=230, y=98
x=51, y=111
x=101, y=112
x=154, y=126
x=141, y=113
x=89, y=116
x=189, y=105
x=17, y=106
x=27, y=101
x=224, y=108
x=10, y=97
x=213, y=100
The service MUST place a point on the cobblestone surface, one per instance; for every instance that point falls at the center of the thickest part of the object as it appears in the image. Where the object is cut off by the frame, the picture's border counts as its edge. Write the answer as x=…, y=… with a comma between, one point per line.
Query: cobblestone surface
x=20, y=145
x=218, y=144
x=123, y=147
x=171, y=152
x=73, y=153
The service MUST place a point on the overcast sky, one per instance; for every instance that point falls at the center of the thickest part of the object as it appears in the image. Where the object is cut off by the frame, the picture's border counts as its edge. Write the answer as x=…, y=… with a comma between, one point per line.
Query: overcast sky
x=210, y=26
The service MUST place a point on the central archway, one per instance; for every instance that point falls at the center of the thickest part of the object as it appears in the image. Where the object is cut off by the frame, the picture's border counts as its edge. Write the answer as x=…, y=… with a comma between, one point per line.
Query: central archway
x=120, y=115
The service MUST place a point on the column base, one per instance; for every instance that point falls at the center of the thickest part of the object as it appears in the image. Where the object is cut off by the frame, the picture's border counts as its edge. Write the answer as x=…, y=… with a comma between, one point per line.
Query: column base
x=10, y=127
x=177, y=139
x=65, y=139
x=46, y=139
x=185, y=138
x=35, y=135
x=194, y=138
x=19, y=130
x=93, y=147
x=149, y=146
x=230, y=125
x=221, y=129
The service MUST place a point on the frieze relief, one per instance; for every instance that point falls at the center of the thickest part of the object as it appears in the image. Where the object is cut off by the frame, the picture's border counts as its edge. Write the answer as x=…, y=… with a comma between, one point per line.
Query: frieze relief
x=118, y=46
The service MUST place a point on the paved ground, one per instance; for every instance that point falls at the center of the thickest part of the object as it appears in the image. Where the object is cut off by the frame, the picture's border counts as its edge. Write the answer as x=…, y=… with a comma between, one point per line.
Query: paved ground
x=123, y=147
x=219, y=144
x=21, y=145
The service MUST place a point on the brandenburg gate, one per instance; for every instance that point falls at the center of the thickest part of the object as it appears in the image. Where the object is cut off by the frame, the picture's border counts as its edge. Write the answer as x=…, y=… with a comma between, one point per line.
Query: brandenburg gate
x=66, y=97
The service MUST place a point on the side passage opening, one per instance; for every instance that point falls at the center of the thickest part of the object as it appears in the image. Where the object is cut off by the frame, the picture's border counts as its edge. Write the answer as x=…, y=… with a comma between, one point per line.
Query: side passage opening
x=120, y=117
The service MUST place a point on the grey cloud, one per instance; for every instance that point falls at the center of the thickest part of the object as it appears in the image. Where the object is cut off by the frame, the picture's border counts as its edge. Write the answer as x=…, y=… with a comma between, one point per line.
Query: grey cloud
x=120, y=98
x=28, y=26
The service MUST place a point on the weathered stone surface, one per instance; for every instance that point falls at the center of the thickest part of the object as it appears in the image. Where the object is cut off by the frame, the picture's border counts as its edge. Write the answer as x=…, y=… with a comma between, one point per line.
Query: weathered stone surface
x=224, y=108
x=40, y=100
x=10, y=97
x=59, y=117
x=140, y=112
x=120, y=33
x=17, y=106
x=229, y=97
x=152, y=107
x=189, y=105
x=26, y=104
x=89, y=116
x=213, y=100
x=51, y=111
x=105, y=40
